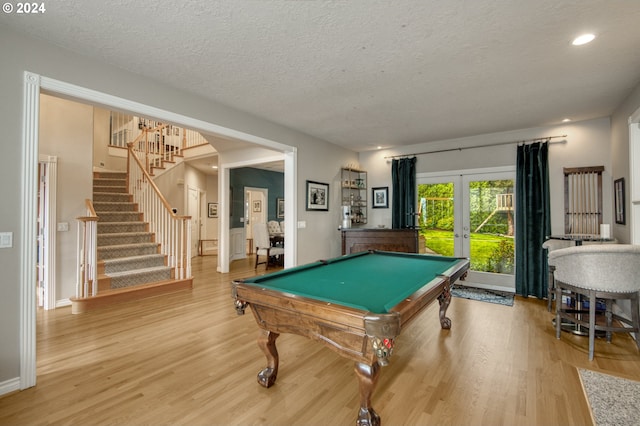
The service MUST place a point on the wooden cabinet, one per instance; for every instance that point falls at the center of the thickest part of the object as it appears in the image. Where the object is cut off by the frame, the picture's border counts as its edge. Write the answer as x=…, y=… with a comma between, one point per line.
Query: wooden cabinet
x=401, y=240
x=354, y=194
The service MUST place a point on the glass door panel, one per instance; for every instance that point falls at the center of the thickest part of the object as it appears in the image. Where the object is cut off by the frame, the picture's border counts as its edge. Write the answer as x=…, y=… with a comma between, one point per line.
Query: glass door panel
x=491, y=224
x=437, y=218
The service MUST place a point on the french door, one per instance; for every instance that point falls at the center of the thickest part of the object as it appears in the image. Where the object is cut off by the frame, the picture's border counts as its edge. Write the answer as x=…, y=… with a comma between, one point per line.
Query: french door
x=471, y=214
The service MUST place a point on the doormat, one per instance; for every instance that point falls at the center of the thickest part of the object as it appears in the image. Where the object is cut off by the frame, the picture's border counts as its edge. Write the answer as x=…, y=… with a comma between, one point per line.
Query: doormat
x=483, y=295
x=613, y=400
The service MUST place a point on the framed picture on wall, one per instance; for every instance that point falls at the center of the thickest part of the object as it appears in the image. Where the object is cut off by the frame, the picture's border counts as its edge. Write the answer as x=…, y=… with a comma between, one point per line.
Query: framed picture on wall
x=212, y=210
x=618, y=200
x=280, y=208
x=257, y=206
x=380, y=197
x=317, y=196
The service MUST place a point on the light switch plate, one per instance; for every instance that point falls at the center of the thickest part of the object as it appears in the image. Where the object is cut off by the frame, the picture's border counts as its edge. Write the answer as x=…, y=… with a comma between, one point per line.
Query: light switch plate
x=6, y=239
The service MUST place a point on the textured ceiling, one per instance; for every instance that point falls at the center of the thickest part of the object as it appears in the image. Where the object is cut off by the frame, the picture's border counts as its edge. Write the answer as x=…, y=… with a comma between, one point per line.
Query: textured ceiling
x=362, y=73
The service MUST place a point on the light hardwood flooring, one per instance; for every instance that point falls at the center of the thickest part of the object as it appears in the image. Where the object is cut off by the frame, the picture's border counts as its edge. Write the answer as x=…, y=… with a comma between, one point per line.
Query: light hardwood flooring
x=186, y=358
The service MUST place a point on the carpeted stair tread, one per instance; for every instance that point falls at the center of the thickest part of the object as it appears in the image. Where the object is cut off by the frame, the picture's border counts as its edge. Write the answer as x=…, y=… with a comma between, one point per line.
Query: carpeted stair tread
x=122, y=238
x=119, y=216
x=127, y=250
x=139, y=276
x=138, y=271
x=114, y=189
x=109, y=182
x=114, y=206
x=121, y=227
x=100, y=197
x=133, y=262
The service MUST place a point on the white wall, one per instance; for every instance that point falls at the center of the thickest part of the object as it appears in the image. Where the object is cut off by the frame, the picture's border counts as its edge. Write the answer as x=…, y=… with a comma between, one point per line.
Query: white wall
x=66, y=131
x=620, y=155
x=588, y=144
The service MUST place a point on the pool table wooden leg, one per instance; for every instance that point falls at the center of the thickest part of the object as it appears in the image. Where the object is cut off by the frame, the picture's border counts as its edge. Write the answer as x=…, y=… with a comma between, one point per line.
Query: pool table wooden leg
x=267, y=342
x=367, y=379
x=445, y=299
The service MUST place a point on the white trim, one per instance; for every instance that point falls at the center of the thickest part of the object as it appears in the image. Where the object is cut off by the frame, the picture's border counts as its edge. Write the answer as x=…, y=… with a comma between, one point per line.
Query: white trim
x=33, y=84
x=28, y=232
x=290, y=211
x=635, y=117
x=9, y=386
x=63, y=303
x=501, y=169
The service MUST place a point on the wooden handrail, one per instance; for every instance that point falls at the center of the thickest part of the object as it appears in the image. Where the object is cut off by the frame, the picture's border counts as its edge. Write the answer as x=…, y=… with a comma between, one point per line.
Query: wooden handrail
x=153, y=185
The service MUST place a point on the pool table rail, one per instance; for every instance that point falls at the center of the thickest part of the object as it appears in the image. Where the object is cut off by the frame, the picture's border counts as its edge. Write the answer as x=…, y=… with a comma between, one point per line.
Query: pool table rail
x=348, y=331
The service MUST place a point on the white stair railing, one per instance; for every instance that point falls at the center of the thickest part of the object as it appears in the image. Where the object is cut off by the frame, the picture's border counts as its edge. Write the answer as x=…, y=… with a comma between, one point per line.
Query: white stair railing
x=87, y=274
x=156, y=142
x=172, y=231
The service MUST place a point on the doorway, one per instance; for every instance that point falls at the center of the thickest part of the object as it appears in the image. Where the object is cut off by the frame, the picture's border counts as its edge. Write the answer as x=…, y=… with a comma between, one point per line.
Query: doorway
x=46, y=232
x=194, y=209
x=471, y=214
x=255, y=211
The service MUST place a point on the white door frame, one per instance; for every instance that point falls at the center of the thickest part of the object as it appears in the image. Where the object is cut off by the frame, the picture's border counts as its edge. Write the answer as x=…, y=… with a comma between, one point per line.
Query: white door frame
x=33, y=84
x=47, y=234
x=633, y=215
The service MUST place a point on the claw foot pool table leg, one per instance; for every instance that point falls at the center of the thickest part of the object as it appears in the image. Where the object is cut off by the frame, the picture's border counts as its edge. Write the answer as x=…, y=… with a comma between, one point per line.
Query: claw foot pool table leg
x=267, y=342
x=445, y=299
x=367, y=379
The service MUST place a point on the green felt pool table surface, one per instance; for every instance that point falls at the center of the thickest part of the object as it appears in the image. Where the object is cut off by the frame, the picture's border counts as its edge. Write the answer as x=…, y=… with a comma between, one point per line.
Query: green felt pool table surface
x=372, y=281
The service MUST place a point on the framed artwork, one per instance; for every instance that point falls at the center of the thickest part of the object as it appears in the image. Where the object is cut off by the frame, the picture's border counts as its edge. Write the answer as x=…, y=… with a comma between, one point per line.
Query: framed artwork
x=212, y=210
x=618, y=200
x=257, y=206
x=380, y=197
x=280, y=208
x=317, y=196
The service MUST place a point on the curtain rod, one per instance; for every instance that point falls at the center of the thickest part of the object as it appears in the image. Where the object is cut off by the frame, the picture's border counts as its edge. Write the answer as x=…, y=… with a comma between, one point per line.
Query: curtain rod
x=546, y=138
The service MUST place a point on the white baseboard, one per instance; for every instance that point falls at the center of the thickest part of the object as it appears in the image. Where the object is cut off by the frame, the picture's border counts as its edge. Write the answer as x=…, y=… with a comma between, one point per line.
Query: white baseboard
x=62, y=303
x=9, y=386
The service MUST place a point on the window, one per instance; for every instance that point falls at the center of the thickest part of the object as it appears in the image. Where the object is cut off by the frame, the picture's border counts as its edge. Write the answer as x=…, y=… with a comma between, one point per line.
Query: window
x=583, y=200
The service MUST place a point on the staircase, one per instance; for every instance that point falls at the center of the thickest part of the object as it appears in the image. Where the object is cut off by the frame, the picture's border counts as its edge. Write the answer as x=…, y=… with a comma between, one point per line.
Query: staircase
x=129, y=262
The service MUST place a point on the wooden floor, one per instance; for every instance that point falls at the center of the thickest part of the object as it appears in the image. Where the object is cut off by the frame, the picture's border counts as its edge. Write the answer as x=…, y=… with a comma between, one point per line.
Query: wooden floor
x=186, y=358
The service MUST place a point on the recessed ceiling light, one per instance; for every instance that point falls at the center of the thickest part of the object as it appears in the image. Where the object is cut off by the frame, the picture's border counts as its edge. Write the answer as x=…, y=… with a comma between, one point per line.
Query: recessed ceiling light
x=583, y=39
x=379, y=147
x=566, y=120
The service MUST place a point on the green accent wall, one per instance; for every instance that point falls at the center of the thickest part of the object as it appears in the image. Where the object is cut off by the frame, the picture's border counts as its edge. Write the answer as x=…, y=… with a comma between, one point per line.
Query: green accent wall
x=258, y=178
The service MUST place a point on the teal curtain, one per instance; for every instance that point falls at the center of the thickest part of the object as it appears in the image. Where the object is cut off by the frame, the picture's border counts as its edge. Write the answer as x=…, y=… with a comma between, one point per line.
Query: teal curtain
x=533, y=221
x=403, y=185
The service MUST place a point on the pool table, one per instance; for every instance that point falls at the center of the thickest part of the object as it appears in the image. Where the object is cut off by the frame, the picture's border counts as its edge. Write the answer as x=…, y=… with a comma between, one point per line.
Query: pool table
x=355, y=304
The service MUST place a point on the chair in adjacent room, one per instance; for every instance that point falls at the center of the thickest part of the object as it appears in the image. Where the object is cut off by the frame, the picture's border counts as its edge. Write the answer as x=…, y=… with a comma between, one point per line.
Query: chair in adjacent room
x=263, y=246
x=274, y=227
x=606, y=273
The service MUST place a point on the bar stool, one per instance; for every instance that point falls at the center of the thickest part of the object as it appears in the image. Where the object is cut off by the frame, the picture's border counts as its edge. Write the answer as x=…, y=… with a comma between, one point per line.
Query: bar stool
x=607, y=272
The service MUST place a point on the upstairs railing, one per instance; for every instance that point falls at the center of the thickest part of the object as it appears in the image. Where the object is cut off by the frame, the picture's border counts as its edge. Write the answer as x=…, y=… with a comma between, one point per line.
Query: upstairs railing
x=155, y=142
x=87, y=274
x=172, y=231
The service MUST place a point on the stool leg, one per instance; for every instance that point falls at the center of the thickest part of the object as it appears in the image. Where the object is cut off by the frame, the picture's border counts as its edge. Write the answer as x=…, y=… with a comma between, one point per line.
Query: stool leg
x=635, y=316
x=609, y=316
x=592, y=323
x=550, y=289
x=558, y=309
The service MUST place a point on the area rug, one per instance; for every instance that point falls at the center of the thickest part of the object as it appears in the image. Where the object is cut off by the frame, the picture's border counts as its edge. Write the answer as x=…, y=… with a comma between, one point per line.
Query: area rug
x=490, y=296
x=613, y=401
